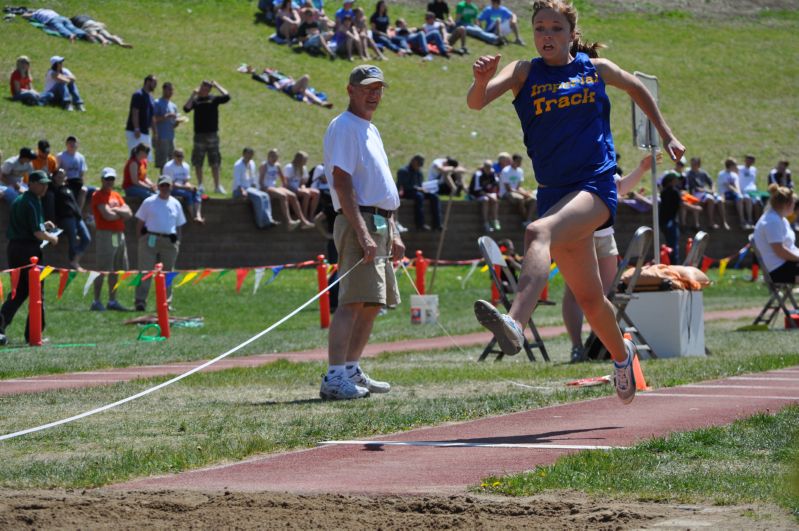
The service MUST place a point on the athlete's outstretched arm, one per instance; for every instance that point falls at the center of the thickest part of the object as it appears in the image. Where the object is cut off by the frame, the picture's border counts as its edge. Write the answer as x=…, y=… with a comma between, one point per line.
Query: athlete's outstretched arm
x=615, y=76
x=486, y=87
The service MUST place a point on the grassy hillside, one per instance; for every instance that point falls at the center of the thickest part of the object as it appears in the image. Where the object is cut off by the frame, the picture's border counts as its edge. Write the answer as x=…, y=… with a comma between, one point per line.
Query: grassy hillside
x=727, y=85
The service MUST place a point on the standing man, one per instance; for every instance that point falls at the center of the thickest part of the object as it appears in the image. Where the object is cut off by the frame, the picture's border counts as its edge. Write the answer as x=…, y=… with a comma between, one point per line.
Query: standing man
x=140, y=114
x=165, y=119
x=206, y=129
x=26, y=230
x=159, y=218
x=366, y=237
x=110, y=214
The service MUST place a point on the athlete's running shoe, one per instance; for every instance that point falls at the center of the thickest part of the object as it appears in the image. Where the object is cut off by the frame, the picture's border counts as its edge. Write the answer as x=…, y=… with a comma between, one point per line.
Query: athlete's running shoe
x=508, y=334
x=624, y=377
x=339, y=387
x=361, y=379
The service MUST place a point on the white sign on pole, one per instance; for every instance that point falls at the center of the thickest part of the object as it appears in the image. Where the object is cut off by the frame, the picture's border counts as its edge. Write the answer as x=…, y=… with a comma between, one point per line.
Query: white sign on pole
x=644, y=133
x=645, y=136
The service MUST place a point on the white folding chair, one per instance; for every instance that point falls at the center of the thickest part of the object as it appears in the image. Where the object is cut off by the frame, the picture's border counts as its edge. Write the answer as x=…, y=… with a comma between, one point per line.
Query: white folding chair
x=780, y=295
x=697, y=252
x=493, y=258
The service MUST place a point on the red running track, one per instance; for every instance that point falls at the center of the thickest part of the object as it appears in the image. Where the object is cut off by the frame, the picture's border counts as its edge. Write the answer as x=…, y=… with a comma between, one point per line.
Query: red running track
x=356, y=469
x=38, y=384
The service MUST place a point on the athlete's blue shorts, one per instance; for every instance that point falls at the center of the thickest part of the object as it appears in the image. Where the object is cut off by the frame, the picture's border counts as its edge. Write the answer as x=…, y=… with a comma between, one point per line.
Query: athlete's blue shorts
x=602, y=186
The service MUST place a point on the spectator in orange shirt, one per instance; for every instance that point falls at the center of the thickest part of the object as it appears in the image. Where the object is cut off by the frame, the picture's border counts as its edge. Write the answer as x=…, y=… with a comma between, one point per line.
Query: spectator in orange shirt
x=45, y=160
x=110, y=214
x=135, y=181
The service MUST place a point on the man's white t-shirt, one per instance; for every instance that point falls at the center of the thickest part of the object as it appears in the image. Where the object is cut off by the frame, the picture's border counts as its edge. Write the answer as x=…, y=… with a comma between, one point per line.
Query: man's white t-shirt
x=163, y=216
x=50, y=78
x=180, y=172
x=747, y=178
x=354, y=145
x=244, y=175
x=773, y=228
x=510, y=179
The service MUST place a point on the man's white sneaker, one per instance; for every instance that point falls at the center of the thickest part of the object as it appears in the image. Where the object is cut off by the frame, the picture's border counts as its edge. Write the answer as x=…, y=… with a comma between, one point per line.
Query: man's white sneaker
x=625, y=378
x=508, y=334
x=339, y=387
x=361, y=379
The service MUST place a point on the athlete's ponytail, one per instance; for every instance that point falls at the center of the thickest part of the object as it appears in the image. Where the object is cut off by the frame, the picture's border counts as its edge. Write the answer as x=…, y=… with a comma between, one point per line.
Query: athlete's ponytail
x=570, y=12
x=780, y=196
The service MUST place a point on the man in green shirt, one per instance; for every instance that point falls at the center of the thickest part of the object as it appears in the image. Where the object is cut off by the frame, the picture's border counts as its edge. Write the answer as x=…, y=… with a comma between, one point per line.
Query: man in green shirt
x=466, y=14
x=26, y=230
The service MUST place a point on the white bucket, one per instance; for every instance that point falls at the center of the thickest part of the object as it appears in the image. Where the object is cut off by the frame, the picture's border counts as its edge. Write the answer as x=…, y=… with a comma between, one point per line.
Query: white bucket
x=424, y=309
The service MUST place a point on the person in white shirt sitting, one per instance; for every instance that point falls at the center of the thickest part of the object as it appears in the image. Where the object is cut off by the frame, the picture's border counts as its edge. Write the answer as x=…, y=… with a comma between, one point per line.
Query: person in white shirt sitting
x=730, y=188
x=245, y=186
x=180, y=173
x=510, y=187
x=774, y=238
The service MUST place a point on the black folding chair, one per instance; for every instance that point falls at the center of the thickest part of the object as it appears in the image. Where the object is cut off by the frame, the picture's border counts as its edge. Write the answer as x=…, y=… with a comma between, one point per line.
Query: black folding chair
x=638, y=249
x=697, y=252
x=779, y=296
x=493, y=258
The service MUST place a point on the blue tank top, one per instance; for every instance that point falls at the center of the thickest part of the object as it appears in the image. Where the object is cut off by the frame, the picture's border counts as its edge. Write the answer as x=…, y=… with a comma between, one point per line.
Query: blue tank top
x=565, y=115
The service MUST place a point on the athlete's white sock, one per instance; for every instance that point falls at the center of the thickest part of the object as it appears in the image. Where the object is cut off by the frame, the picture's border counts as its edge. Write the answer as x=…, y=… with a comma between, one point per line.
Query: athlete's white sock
x=353, y=368
x=336, y=370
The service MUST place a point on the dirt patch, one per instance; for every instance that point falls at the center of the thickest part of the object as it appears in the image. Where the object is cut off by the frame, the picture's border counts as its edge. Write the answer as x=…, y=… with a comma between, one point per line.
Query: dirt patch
x=183, y=510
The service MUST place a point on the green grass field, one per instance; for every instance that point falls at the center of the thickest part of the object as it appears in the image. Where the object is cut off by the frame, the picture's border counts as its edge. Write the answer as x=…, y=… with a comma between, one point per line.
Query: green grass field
x=727, y=88
x=726, y=84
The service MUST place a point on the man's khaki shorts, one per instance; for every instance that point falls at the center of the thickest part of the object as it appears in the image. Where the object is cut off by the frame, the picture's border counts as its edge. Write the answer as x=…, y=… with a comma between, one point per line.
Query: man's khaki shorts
x=605, y=246
x=112, y=253
x=372, y=283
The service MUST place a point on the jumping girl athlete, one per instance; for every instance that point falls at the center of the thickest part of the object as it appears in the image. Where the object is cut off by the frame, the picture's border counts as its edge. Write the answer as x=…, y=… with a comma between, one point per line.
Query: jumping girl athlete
x=565, y=115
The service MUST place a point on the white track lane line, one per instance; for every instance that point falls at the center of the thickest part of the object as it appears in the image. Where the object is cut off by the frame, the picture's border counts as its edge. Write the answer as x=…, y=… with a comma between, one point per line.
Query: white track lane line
x=765, y=378
x=722, y=386
x=749, y=397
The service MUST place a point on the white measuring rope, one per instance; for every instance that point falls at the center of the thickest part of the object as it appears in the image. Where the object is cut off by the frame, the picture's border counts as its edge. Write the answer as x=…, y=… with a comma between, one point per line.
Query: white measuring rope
x=452, y=339
x=185, y=374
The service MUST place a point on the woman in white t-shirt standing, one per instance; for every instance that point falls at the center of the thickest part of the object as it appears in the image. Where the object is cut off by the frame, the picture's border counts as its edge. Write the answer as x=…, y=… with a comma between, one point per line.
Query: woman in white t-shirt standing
x=774, y=238
x=296, y=174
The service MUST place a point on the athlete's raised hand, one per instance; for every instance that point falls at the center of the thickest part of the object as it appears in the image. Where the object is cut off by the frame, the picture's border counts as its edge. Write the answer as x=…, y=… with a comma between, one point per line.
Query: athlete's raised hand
x=485, y=67
x=674, y=148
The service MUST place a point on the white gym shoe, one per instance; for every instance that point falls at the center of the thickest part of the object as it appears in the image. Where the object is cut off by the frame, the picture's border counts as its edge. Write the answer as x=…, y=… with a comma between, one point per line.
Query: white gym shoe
x=508, y=334
x=340, y=387
x=625, y=378
x=361, y=379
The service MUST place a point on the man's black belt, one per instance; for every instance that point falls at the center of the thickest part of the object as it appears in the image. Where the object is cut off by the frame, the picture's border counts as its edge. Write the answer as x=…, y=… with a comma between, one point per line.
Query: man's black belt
x=374, y=210
x=163, y=235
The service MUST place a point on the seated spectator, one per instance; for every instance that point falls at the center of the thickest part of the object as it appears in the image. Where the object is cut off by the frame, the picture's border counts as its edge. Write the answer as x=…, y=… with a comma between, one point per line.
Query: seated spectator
x=245, y=186
x=380, y=23
x=415, y=39
x=345, y=39
x=447, y=34
x=700, y=185
x=297, y=180
x=466, y=14
x=411, y=185
x=365, y=36
x=781, y=175
x=510, y=182
x=775, y=239
x=689, y=202
x=747, y=174
x=500, y=21
x=74, y=165
x=98, y=31
x=287, y=20
x=22, y=84
x=448, y=174
x=311, y=36
x=51, y=20
x=484, y=187
x=180, y=172
x=110, y=214
x=60, y=86
x=45, y=160
x=324, y=219
x=13, y=173
x=273, y=182
x=344, y=11
x=61, y=207
x=730, y=188
x=135, y=182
